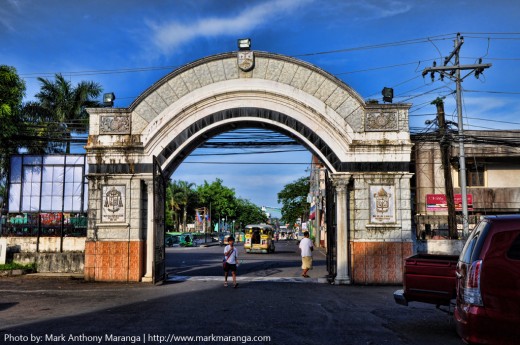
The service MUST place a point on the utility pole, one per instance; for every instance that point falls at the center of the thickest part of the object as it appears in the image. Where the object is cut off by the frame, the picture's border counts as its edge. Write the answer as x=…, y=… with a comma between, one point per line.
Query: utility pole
x=453, y=72
x=445, y=144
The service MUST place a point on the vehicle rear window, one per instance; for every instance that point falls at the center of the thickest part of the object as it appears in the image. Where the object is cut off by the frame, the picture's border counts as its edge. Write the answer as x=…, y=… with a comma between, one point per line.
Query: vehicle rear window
x=514, y=250
x=473, y=246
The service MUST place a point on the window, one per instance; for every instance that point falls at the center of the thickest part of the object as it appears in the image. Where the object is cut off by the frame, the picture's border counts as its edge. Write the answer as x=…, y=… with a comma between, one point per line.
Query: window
x=514, y=250
x=475, y=176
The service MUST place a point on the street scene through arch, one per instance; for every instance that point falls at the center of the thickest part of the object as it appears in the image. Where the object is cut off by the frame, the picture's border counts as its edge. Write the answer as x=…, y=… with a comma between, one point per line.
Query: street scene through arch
x=253, y=161
x=364, y=147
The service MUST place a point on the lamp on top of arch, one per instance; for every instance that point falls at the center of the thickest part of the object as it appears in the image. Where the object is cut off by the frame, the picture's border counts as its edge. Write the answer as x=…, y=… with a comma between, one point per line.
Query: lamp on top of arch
x=244, y=44
x=108, y=99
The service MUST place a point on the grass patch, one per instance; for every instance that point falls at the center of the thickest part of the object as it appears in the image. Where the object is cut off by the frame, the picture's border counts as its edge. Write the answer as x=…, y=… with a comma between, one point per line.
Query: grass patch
x=16, y=266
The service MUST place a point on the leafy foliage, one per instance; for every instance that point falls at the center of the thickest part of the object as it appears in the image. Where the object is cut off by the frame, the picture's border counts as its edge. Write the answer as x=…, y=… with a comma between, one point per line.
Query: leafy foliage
x=182, y=197
x=249, y=213
x=65, y=105
x=17, y=266
x=12, y=91
x=221, y=199
x=293, y=198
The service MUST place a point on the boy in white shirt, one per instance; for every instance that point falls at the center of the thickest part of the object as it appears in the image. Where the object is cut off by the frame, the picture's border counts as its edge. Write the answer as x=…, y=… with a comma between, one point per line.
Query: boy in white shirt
x=230, y=261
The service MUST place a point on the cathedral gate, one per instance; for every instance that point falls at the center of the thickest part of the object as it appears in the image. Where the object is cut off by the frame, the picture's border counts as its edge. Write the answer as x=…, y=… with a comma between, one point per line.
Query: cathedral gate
x=364, y=146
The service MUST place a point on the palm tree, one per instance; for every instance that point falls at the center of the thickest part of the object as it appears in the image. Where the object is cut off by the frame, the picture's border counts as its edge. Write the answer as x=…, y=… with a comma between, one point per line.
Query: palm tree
x=172, y=204
x=187, y=196
x=67, y=104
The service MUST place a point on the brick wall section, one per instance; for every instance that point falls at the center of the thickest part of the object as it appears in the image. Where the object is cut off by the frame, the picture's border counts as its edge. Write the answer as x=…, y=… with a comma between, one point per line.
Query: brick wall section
x=114, y=260
x=379, y=262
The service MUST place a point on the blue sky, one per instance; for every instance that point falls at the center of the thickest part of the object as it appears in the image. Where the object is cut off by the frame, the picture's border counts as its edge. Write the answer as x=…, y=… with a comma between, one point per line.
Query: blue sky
x=127, y=45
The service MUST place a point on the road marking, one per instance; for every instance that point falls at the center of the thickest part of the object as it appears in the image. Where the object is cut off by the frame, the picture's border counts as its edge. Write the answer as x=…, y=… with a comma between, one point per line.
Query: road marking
x=250, y=279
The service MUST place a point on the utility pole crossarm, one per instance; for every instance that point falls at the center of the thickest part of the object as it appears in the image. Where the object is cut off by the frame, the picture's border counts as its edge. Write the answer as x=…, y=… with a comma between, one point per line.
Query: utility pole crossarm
x=454, y=68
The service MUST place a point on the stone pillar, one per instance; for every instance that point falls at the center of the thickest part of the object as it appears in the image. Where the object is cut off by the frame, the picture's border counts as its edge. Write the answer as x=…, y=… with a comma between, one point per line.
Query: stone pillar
x=148, y=277
x=340, y=182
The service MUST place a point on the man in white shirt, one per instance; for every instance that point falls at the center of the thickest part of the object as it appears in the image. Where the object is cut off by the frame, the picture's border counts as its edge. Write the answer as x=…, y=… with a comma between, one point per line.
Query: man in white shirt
x=306, y=247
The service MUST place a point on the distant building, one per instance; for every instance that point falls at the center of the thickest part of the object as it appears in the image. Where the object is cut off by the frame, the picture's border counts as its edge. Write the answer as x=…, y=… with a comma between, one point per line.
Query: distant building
x=492, y=178
x=317, y=224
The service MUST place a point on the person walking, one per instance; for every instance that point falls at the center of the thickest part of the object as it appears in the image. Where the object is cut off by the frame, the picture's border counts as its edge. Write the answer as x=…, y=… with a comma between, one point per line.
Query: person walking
x=306, y=248
x=230, y=261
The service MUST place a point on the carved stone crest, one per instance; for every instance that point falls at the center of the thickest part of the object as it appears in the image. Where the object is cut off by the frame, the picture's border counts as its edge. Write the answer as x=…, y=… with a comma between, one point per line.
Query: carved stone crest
x=113, y=204
x=246, y=60
x=382, y=200
x=114, y=124
x=382, y=208
x=381, y=121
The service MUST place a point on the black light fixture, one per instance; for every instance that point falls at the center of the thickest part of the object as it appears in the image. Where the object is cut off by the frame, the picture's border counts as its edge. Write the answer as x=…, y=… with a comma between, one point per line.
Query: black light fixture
x=244, y=44
x=108, y=99
x=388, y=94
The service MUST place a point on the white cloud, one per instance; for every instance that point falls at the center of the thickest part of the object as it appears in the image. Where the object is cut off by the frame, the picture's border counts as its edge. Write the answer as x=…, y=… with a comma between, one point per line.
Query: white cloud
x=386, y=8
x=169, y=36
x=363, y=10
x=8, y=12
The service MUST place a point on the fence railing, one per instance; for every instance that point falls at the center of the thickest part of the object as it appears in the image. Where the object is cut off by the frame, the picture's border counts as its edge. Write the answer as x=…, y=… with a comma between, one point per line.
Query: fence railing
x=44, y=224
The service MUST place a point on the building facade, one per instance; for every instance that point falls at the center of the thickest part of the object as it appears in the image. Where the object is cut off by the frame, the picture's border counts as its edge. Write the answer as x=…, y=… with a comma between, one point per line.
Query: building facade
x=492, y=179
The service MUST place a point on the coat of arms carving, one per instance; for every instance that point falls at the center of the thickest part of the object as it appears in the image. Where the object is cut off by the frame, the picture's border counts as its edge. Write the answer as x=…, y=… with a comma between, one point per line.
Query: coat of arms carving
x=382, y=204
x=113, y=204
x=246, y=60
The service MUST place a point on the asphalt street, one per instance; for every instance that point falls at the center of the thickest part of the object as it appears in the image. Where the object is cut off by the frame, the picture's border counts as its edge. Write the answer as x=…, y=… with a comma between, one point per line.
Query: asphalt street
x=283, y=265
x=61, y=310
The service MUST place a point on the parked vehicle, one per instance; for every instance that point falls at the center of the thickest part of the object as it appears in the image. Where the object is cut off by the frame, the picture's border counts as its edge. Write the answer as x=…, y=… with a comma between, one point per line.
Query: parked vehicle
x=179, y=239
x=428, y=278
x=259, y=238
x=223, y=238
x=486, y=281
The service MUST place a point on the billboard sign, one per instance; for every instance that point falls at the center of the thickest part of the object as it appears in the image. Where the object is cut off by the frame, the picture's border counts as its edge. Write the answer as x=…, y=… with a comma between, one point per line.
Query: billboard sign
x=437, y=202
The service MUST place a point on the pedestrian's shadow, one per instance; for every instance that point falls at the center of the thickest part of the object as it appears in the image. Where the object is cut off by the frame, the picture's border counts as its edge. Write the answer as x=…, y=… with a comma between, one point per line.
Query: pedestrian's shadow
x=5, y=306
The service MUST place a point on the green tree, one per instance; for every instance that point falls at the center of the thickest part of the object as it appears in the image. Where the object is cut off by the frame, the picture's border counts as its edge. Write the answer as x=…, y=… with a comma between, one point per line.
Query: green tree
x=12, y=91
x=172, y=206
x=181, y=198
x=187, y=196
x=43, y=133
x=293, y=198
x=66, y=104
x=219, y=198
x=249, y=213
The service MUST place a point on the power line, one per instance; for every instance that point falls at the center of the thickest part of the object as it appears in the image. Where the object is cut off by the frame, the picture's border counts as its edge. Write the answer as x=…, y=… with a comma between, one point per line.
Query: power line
x=250, y=163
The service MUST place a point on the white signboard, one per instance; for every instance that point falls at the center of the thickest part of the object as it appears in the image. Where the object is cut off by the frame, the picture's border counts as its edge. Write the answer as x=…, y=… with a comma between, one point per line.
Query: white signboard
x=382, y=204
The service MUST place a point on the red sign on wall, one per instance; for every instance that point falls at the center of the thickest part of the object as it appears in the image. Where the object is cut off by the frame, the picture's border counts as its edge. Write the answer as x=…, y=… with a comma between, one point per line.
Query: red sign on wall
x=437, y=202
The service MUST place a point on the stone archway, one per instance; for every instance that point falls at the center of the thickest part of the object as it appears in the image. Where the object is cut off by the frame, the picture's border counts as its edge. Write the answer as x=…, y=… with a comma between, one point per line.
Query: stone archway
x=365, y=147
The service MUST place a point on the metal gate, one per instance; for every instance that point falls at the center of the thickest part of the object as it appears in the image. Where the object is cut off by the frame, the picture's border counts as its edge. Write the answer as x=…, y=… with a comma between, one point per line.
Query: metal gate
x=330, y=218
x=159, y=199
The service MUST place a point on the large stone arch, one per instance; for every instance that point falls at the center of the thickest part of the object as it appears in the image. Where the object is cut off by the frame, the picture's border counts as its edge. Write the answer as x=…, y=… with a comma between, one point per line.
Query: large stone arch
x=365, y=147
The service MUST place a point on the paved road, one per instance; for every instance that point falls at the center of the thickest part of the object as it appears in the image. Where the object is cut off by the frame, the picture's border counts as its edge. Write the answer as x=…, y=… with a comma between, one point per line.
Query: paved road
x=44, y=309
x=206, y=263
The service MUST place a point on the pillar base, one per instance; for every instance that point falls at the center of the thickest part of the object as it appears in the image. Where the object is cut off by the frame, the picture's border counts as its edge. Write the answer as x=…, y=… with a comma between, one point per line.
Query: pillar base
x=379, y=262
x=114, y=260
x=342, y=281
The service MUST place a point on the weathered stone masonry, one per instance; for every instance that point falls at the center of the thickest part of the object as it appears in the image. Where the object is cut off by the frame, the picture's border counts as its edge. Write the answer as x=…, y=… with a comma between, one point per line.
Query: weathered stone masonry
x=365, y=147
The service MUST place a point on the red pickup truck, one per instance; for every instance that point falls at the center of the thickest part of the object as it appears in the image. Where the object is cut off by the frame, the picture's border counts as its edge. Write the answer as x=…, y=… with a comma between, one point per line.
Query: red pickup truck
x=484, y=282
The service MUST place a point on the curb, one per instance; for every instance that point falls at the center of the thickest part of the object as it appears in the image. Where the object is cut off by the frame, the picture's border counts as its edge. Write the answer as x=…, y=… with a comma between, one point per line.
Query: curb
x=15, y=272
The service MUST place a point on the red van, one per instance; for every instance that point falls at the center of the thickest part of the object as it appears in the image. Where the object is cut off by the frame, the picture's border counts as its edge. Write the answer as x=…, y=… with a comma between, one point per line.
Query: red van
x=488, y=283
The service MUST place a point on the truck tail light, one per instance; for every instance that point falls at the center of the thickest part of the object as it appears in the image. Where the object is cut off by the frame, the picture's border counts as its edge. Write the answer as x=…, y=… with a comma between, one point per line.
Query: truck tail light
x=472, y=293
